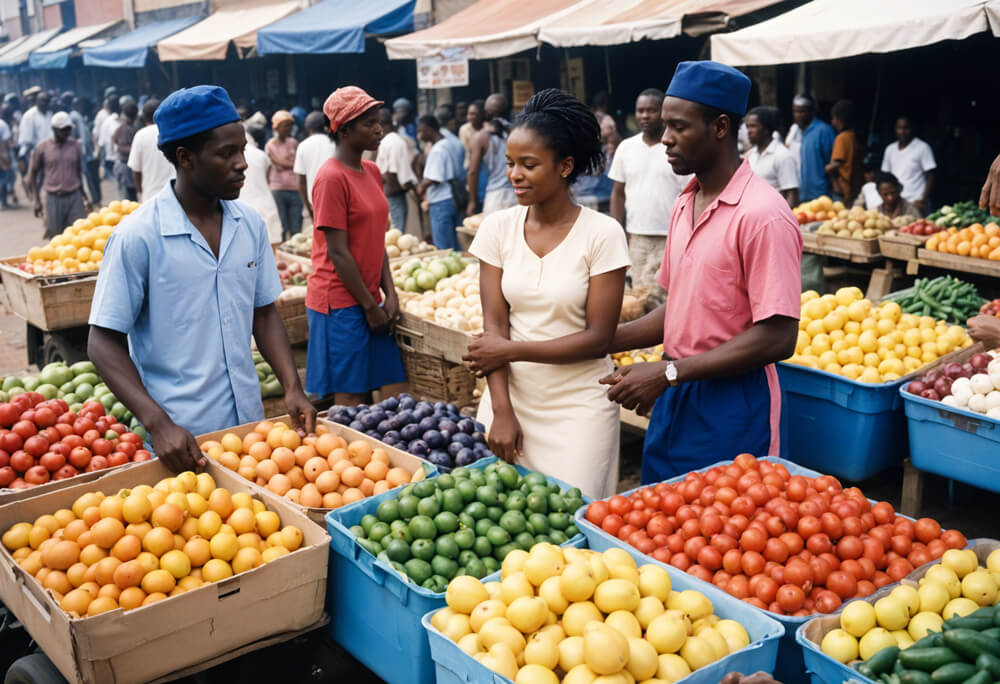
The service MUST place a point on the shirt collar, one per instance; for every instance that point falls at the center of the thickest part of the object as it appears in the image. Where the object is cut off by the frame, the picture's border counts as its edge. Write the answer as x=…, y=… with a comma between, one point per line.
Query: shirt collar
x=173, y=218
x=733, y=191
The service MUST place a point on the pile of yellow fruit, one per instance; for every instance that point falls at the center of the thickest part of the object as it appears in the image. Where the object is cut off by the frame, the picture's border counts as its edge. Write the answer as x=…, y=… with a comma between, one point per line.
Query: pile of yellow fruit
x=575, y=615
x=79, y=248
x=846, y=334
x=857, y=223
x=142, y=545
x=955, y=587
x=820, y=209
x=627, y=358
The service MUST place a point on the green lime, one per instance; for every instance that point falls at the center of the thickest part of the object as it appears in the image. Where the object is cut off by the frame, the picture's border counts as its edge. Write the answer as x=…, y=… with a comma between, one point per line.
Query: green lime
x=446, y=522
x=558, y=537
x=465, y=538
x=559, y=521
x=476, y=477
x=428, y=506
x=476, y=568
x=574, y=493
x=405, y=491
x=477, y=510
x=498, y=536
x=538, y=523
x=118, y=410
x=378, y=531
x=572, y=531
x=398, y=567
x=398, y=551
x=535, y=479
x=465, y=556
x=399, y=530
x=466, y=520
x=460, y=473
x=374, y=548
x=541, y=490
x=525, y=540
x=515, y=501
x=84, y=390
x=491, y=564
x=70, y=399
x=494, y=513
x=508, y=475
x=501, y=552
x=422, y=549
x=422, y=527
x=482, y=547
x=486, y=495
x=430, y=584
x=446, y=546
x=445, y=481
x=513, y=522
x=367, y=521
x=557, y=503
x=543, y=539
x=467, y=490
x=537, y=503
x=573, y=505
x=388, y=511
x=418, y=570
x=424, y=488
x=440, y=583
x=10, y=382
x=445, y=567
x=407, y=506
x=502, y=498
x=358, y=531
x=32, y=383
x=483, y=526
x=451, y=501
x=493, y=480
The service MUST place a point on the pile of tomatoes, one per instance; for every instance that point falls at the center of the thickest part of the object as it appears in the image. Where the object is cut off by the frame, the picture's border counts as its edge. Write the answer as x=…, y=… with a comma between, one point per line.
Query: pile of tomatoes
x=42, y=440
x=790, y=544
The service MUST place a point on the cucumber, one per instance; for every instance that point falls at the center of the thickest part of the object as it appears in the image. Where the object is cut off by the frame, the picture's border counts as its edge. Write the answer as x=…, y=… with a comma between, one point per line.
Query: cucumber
x=932, y=639
x=865, y=671
x=981, y=677
x=970, y=644
x=927, y=659
x=883, y=660
x=992, y=633
x=953, y=673
x=990, y=663
x=974, y=622
x=915, y=677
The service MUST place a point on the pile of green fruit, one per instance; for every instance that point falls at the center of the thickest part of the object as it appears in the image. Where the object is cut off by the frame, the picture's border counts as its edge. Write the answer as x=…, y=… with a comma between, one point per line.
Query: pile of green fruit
x=270, y=386
x=421, y=275
x=73, y=384
x=960, y=215
x=966, y=652
x=466, y=522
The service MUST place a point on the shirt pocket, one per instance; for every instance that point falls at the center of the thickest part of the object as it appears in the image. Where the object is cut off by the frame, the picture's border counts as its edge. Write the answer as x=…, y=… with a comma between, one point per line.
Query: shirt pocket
x=719, y=285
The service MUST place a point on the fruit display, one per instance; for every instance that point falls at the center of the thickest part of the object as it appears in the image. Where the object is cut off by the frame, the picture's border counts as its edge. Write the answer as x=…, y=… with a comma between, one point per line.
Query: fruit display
x=921, y=226
x=845, y=334
x=424, y=274
x=947, y=620
x=577, y=615
x=300, y=244
x=790, y=544
x=467, y=522
x=80, y=247
x=43, y=440
x=943, y=298
x=638, y=356
x=973, y=385
x=437, y=432
x=858, y=223
x=960, y=215
x=991, y=308
x=317, y=471
x=399, y=244
x=452, y=302
x=292, y=273
x=820, y=209
x=142, y=545
x=977, y=241
x=270, y=386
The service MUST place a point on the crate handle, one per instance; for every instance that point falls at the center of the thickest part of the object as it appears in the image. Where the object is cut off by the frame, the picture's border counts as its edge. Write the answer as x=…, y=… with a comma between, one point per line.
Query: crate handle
x=970, y=425
x=395, y=588
x=40, y=606
x=360, y=561
x=228, y=587
x=404, y=336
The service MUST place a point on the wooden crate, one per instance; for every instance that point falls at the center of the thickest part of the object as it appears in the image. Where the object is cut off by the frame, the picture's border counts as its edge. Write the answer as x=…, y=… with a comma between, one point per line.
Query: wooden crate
x=420, y=336
x=48, y=302
x=293, y=315
x=953, y=262
x=434, y=379
x=902, y=246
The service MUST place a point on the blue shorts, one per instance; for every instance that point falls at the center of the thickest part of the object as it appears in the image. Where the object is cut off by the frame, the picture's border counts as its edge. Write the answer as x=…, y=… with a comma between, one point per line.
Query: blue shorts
x=345, y=356
x=700, y=423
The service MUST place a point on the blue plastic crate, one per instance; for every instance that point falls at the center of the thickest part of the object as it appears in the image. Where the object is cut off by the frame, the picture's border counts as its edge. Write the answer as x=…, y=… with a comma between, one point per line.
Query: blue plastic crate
x=955, y=443
x=790, y=668
x=374, y=612
x=454, y=666
x=821, y=668
x=846, y=428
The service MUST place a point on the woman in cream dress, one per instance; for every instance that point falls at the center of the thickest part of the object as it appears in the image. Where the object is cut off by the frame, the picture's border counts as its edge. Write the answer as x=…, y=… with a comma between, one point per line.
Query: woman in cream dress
x=551, y=281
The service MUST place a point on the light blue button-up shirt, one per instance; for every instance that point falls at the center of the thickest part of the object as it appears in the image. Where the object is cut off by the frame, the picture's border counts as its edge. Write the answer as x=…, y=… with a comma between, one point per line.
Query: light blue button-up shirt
x=188, y=315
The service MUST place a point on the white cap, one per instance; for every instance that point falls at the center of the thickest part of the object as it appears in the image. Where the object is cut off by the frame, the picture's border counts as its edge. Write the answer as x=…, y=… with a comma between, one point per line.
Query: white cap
x=61, y=120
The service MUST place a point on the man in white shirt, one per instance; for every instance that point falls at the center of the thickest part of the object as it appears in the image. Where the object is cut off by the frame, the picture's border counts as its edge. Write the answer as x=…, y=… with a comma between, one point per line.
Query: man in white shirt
x=35, y=126
x=911, y=160
x=645, y=189
x=768, y=157
x=150, y=168
x=311, y=154
x=393, y=161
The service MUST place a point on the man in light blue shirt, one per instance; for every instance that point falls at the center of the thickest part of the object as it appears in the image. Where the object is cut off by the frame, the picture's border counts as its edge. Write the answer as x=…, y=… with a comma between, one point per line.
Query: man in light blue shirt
x=188, y=278
x=445, y=115
x=439, y=170
x=817, y=146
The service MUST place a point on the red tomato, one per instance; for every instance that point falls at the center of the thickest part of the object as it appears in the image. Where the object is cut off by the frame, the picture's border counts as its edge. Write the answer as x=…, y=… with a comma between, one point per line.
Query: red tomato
x=821, y=571
x=657, y=525
x=867, y=567
x=832, y=525
x=731, y=561
x=753, y=540
x=52, y=461
x=872, y=549
x=79, y=457
x=4, y=458
x=843, y=584
x=92, y=406
x=954, y=539
x=710, y=523
x=775, y=526
x=90, y=435
x=65, y=472
x=119, y=428
x=901, y=544
x=64, y=429
x=792, y=542
x=918, y=557
x=45, y=417
x=883, y=533
x=827, y=483
x=127, y=448
x=865, y=588
x=81, y=425
x=596, y=512
x=7, y=475
x=97, y=463
x=710, y=558
x=827, y=602
x=809, y=525
x=662, y=554
x=721, y=579
x=671, y=502
x=693, y=546
x=739, y=587
x=675, y=542
x=904, y=527
x=690, y=529
x=679, y=560
x=790, y=597
x=926, y=529
x=635, y=537
x=854, y=568
x=37, y=475
x=881, y=579
x=11, y=442
x=810, y=508
x=73, y=441
x=36, y=445
x=724, y=543
x=21, y=461
x=9, y=413
x=746, y=461
x=637, y=518
x=883, y=512
x=117, y=458
x=853, y=526
x=775, y=551
x=626, y=531
x=752, y=563
x=936, y=548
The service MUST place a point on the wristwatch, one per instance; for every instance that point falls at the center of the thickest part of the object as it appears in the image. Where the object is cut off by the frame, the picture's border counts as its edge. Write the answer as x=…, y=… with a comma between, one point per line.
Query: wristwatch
x=671, y=374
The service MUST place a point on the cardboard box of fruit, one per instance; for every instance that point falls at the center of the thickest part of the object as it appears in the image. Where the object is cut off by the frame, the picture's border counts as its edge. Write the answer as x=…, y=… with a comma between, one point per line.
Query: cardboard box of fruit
x=184, y=630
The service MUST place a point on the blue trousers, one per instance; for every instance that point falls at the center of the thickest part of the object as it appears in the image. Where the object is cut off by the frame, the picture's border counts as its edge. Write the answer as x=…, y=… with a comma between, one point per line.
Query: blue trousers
x=444, y=216
x=700, y=423
x=398, y=210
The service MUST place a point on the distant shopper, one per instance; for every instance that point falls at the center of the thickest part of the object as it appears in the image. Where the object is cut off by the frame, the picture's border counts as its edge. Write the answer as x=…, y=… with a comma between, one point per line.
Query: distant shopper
x=6, y=157
x=402, y=117
x=281, y=176
x=445, y=115
x=311, y=154
x=768, y=156
x=844, y=168
x=150, y=168
x=474, y=118
x=393, y=161
x=893, y=204
x=489, y=151
x=817, y=146
x=57, y=162
x=645, y=188
x=108, y=127
x=122, y=141
x=351, y=347
x=439, y=170
x=868, y=197
x=911, y=160
x=35, y=126
x=256, y=192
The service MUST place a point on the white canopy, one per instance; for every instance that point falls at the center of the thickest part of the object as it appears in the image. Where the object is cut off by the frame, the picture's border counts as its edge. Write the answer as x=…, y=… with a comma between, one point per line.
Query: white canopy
x=73, y=37
x=209, y=39
x=829, y=29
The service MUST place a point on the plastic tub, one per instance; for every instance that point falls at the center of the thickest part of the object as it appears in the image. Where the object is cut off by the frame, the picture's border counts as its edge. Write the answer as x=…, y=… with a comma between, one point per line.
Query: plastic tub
x=955, y=443
x=374, y=613
x=846, y=428
x=454, y=666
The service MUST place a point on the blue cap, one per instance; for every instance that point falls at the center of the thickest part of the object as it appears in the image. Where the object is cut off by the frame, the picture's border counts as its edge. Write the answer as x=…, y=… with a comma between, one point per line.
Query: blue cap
x=712, y=84
x=190, y=111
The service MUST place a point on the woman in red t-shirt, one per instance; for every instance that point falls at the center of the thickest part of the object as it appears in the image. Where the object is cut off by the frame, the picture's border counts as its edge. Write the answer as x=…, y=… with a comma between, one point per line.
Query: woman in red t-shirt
x=351, y=347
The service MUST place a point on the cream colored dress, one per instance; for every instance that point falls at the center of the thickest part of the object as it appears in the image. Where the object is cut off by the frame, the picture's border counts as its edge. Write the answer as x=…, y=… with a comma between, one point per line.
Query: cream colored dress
x=570, y=429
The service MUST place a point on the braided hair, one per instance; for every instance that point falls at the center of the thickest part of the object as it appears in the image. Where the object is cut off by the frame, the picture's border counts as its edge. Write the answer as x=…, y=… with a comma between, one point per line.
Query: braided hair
x=569, y=128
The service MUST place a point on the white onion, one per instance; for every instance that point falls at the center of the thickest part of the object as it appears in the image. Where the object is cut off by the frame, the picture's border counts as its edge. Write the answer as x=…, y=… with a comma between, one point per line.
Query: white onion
x=977, y=403
x=961, y=394
x=981, y=384
x=992, y=400
x=993, y=413
x=950, y=401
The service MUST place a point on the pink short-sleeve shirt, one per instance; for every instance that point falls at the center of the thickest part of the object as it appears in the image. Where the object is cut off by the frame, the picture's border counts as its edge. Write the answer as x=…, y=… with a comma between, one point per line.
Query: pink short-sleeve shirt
x=740, y=264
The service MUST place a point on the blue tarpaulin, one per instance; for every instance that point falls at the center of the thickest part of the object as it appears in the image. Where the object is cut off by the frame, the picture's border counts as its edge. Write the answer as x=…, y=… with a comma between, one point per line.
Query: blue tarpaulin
x=335, y=26
x=130, y=51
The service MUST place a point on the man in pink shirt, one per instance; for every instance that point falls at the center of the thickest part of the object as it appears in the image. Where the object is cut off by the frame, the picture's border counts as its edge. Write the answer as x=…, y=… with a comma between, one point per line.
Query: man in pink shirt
x=732, y=273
